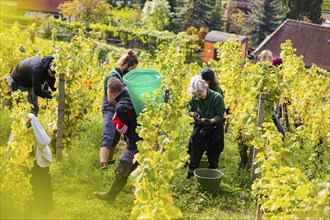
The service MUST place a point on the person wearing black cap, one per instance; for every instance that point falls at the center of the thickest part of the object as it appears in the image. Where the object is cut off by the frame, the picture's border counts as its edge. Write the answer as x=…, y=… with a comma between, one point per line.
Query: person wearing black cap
x=34, y=75
x=208, y=75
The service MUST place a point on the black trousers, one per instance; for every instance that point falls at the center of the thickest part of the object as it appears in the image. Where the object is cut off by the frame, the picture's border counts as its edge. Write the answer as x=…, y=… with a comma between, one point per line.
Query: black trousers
x=209, y=139
x=42, y=189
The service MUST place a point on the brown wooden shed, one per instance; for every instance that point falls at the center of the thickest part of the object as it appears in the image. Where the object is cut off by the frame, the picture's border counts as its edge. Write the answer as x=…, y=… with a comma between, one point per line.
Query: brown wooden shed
x=217, y=36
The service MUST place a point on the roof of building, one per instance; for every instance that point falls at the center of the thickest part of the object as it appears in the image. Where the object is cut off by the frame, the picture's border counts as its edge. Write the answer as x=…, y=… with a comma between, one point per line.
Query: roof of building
x=218, y=36
x=312, y=41
x=48, y=6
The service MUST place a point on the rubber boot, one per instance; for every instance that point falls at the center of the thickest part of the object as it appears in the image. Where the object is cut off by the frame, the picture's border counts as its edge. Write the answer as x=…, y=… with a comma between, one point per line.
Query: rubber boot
x=110, y=196
x=105, y=196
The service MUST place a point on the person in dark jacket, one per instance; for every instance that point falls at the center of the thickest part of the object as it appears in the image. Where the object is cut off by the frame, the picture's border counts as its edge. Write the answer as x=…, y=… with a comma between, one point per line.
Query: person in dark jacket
x=34, y=75
x=125, y=122
x=213, y=83
x=110, y=137
x=207, y=107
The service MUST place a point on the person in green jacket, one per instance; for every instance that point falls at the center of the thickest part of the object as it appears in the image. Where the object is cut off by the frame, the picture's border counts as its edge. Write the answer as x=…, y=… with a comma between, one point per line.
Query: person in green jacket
x=110, y=137
x=207, y=107
x=208, y=75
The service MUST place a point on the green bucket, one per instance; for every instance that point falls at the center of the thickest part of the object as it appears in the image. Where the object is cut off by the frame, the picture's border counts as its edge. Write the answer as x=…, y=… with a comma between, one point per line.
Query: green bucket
x=208, y=179
x=140, y=81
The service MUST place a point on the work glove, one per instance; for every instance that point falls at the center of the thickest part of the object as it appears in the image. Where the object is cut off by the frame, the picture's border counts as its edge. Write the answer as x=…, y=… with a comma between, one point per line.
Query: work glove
x=196, y=116
x=204, y=121
x=207, y=121
x=48, y=95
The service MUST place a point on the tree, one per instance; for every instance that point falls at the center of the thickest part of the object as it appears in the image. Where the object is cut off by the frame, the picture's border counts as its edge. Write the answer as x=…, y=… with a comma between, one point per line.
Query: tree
x=87, y=11
x=230, y=9
x=179, y=19
x=265, y=16
x=236, y=22
x=302, y=9
x=196, y=13
x=215, y=20
x=157, y=13
x=233, y=18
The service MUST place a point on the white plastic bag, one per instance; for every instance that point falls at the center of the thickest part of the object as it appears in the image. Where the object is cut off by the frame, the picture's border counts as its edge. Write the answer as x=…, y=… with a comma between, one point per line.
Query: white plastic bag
x=42, y=151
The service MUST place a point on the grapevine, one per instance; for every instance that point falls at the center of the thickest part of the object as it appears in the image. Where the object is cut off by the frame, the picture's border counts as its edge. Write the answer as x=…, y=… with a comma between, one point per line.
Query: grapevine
x=16, y=161
x=287, y=188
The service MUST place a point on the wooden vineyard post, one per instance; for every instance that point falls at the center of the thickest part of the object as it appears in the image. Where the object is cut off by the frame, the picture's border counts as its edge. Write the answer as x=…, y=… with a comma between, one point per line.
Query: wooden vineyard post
x=261, y=114
x=285, y=115
x=60, y=117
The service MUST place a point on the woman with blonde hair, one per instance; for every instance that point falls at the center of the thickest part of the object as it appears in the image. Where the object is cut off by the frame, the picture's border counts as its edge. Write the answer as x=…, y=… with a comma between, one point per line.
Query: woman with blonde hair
x=265, y=55
x=110, y=137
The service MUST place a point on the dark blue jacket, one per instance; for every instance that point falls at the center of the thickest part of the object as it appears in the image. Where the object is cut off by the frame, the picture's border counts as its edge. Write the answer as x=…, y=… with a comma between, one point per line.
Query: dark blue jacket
x=124, y=119
x=32, y=73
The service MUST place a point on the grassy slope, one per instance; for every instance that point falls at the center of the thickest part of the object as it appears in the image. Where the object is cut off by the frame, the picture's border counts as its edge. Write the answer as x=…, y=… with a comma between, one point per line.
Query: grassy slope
x=77, y=177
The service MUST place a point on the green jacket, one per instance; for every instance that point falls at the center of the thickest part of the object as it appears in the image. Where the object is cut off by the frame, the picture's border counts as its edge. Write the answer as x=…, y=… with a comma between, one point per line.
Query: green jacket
x=219, y=90
x=212, y=106
x=113, y=73
x=105, y=104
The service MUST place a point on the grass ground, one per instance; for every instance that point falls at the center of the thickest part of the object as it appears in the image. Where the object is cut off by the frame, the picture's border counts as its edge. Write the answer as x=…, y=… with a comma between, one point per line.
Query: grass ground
x=76, y=178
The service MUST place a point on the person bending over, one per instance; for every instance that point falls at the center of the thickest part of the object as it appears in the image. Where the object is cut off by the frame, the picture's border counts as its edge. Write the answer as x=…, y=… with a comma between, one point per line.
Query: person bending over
x=31, y=75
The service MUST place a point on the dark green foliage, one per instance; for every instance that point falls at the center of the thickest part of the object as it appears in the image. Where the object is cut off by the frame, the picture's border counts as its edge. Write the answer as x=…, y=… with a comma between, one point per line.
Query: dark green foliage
x=180, y=10
x=172, y=5
x=302, y=9
x=262, y=19
x=215, y=20
x=196, y=13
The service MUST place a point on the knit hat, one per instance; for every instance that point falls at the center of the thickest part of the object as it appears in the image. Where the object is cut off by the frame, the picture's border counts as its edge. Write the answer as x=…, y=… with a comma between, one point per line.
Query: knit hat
x=276, y=61
x=207, y=73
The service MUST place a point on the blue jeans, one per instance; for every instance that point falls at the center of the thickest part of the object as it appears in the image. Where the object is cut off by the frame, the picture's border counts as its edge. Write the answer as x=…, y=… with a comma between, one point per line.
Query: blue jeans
x=110, y=136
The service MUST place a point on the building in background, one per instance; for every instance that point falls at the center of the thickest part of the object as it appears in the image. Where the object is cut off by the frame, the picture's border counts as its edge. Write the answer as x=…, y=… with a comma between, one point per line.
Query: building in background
x=312, y=41
x=41, y=8
x=217, y=36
